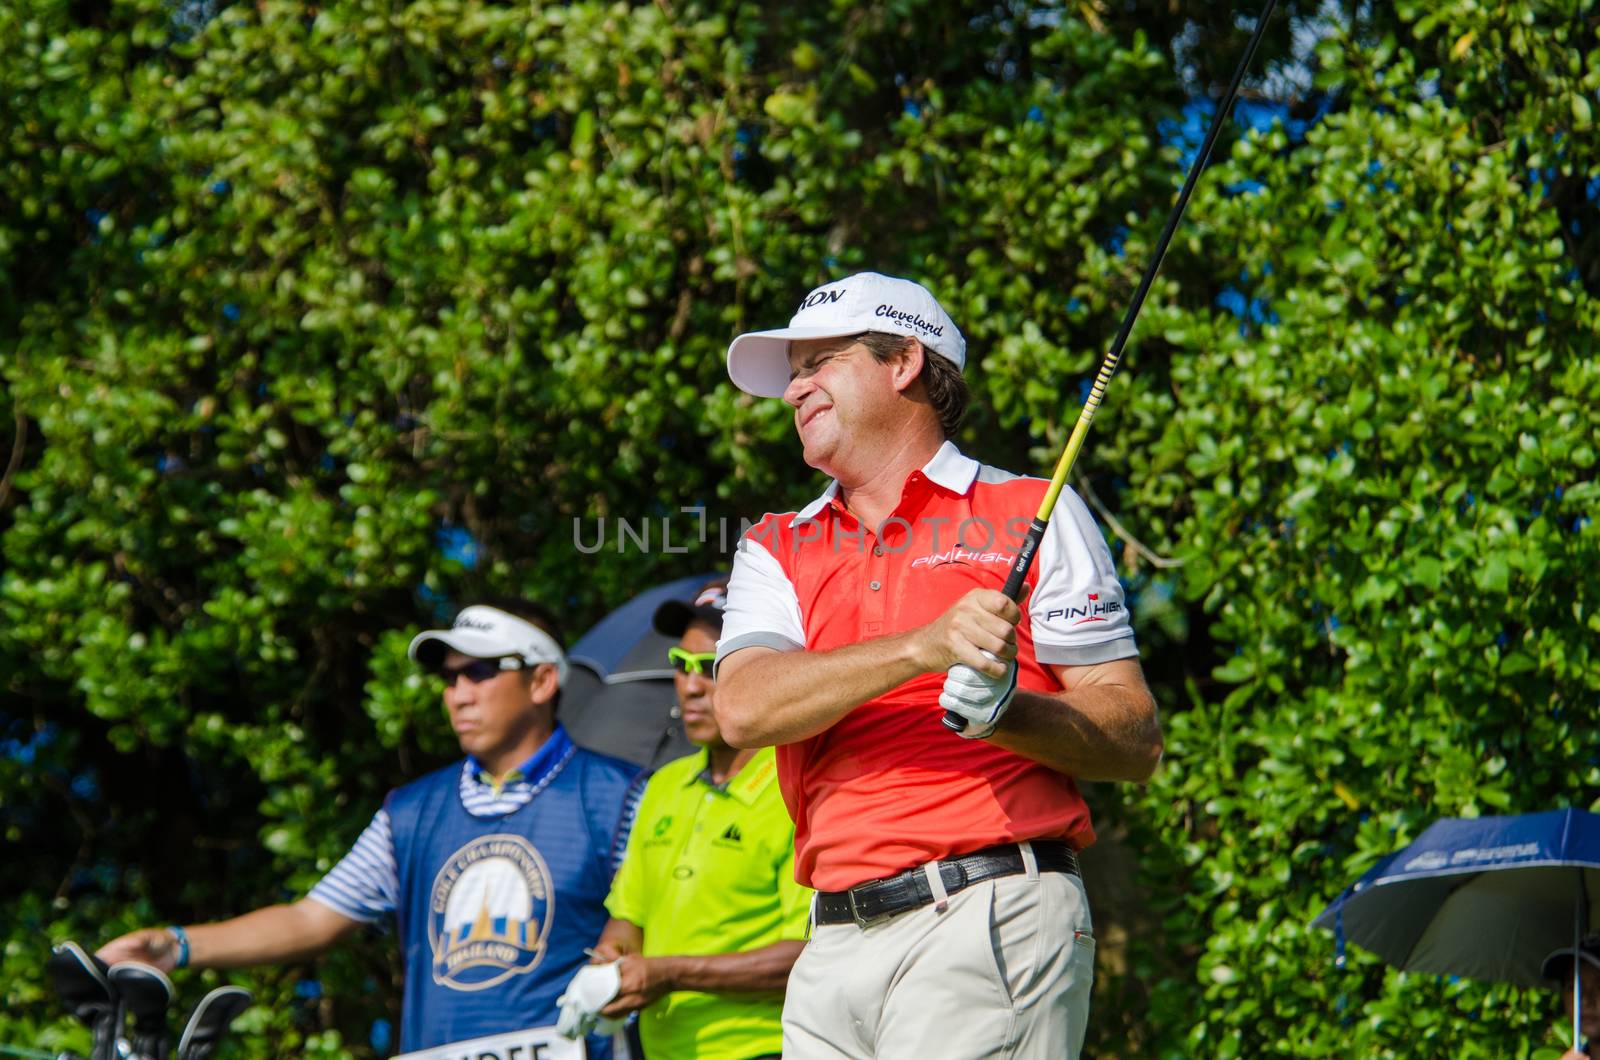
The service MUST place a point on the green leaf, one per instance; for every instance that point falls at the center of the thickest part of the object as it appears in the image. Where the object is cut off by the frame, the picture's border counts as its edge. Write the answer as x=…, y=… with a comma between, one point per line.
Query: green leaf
x=1495, y=574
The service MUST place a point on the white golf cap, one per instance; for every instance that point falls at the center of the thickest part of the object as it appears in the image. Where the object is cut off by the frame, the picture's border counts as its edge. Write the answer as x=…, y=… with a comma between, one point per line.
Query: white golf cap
x=758, y=362
x=489, y=633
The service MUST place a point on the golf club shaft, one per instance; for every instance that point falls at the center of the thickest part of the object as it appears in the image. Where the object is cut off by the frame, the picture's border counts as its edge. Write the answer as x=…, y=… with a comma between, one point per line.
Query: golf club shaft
x=1041, y=520
x=1577, y=965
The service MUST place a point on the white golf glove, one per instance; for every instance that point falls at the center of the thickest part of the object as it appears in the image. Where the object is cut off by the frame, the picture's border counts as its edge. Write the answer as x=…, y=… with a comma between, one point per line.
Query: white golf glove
x=592, y=989
x=979, y=698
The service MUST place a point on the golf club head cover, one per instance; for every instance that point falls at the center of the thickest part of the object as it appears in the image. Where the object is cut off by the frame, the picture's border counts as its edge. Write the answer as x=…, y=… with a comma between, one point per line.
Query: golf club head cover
x=980, y=699
x=592, y=989
x=147, y=994
x=82, y=982
x=210, y=1021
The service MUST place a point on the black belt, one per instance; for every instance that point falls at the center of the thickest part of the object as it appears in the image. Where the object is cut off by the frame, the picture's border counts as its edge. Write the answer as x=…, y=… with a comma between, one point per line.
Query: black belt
x=875, y=900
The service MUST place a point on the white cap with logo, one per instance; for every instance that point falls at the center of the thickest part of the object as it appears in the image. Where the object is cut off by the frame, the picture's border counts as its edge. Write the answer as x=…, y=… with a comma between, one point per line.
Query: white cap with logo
x=490, y=633
x=758, y=362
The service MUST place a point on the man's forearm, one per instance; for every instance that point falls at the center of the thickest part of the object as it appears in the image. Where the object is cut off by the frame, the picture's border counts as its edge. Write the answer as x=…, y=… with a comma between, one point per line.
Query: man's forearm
x=766, y=697
x=1096, y=732
x=762, y=971
x=276, y=934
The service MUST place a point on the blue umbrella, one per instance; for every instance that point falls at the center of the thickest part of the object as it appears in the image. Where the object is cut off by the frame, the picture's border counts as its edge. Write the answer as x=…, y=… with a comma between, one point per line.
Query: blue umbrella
x=1482, y=897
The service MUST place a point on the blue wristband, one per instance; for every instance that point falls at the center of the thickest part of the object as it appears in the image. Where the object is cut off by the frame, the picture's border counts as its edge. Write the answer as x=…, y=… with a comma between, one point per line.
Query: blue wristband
x=183, y=945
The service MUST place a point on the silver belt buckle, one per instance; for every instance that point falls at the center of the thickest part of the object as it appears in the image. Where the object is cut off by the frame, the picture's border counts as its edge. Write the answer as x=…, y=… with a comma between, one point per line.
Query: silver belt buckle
x=862, y=922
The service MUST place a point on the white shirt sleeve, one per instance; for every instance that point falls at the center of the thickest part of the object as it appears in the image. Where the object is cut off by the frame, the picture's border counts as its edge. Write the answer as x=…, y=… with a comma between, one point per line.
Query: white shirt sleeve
x=763, y=609
x=1077, y=607
x=365, y=885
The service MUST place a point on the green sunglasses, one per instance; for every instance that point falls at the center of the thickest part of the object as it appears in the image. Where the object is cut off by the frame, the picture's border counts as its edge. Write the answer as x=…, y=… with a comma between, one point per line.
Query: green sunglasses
x=688, y=662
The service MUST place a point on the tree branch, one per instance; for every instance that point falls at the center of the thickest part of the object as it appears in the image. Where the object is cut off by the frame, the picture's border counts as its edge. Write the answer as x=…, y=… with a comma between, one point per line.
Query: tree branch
x=1121, y=531
x=15, y=462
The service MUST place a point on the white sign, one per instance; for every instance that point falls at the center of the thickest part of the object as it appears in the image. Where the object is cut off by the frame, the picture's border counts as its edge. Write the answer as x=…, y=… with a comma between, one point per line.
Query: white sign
x=536, y=1043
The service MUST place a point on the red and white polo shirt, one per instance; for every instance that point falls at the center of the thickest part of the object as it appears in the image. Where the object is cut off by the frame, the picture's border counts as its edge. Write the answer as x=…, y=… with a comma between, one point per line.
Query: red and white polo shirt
x=888, y=787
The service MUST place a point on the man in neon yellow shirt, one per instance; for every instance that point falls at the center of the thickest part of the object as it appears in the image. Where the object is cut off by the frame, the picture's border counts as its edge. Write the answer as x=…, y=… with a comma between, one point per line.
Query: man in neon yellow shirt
x=707, y=918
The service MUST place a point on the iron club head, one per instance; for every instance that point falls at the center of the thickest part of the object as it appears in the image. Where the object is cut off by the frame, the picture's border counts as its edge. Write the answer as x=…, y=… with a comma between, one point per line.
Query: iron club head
x=210, y=1021
x=83, y=983
x=147, y=994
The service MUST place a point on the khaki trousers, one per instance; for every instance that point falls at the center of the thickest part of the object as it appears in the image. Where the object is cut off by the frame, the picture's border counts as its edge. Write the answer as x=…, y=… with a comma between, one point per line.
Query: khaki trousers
x=1004, y=971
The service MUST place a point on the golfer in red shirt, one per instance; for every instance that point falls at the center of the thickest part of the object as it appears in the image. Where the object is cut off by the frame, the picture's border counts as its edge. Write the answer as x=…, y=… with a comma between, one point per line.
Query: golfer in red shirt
x=950, y=920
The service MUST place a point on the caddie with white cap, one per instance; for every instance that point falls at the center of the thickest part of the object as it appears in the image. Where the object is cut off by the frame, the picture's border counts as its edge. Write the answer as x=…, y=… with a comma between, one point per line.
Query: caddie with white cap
x=950, y=919
x=495, y=868
x=486, y=632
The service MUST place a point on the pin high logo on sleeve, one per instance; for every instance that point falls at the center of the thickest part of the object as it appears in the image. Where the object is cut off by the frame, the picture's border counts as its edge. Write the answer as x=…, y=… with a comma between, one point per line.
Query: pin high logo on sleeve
x=490, y=913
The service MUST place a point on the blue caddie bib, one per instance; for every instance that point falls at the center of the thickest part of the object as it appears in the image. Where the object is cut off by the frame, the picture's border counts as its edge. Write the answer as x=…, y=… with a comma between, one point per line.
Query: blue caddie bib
x=495, y=912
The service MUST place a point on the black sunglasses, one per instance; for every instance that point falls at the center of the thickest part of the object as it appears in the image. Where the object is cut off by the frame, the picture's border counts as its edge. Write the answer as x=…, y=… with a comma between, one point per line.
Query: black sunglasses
x=477, y=671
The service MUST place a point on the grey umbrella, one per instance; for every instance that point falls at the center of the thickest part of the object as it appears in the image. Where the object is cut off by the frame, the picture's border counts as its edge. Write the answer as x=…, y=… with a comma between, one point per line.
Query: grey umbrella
x=619, y=698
